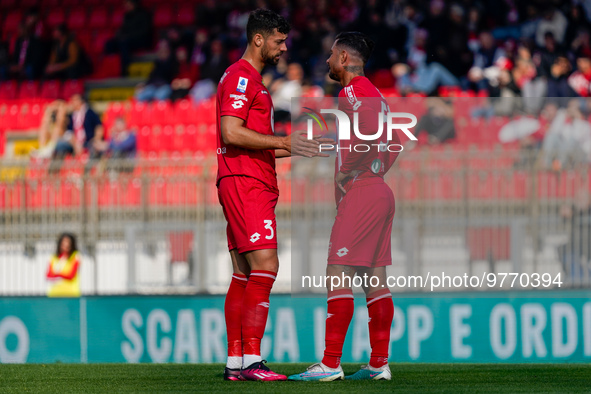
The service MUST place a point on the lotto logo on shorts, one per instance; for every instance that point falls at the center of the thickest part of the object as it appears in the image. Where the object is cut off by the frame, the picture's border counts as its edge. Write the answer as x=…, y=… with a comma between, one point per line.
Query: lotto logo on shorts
x=255, y=237
x=342, y=252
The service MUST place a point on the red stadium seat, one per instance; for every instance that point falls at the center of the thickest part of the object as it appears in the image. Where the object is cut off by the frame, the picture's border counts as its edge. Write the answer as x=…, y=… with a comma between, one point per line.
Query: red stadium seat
x=49, y=4
x=50, y=90
x=185, y=15
x=99, y=18
x=117, y=16
x=166, y=139
x=144, y=143
x=163, y=16
x=382, y=79
x=28, y=90
x=8, y=90
x=13, y=19
x=71, y=87
x=77, y=19
x=70, y=3
x=162, y=112
x=26, y=4
x=55, y=17
x=190, y=138
x=7, y=4
x=100, y=39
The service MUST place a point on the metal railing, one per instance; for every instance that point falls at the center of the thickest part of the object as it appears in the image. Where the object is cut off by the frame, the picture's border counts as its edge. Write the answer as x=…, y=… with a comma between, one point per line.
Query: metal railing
x=154, y=225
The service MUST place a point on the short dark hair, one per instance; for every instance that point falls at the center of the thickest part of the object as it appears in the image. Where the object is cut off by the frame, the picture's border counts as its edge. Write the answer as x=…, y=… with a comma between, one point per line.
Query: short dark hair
x=263, y=21
x=357, y=42
x=72, y=241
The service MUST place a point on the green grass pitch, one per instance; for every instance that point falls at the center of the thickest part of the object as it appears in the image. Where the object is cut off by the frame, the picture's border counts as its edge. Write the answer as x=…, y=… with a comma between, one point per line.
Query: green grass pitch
x=407, y=378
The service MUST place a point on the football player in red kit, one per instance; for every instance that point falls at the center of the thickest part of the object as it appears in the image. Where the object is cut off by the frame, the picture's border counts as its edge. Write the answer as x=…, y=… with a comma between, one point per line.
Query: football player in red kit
x=248, y=193
x=360, y=239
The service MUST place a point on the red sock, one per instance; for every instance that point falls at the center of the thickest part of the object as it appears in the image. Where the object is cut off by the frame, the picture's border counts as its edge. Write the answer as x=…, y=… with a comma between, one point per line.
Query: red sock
x=339, y=314
x=381, y=312
x=232, y=309
x=255, y=308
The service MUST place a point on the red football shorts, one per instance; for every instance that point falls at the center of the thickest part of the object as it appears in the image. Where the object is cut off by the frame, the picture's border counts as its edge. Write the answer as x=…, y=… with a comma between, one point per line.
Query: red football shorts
x=249, y=208
x=361, y=234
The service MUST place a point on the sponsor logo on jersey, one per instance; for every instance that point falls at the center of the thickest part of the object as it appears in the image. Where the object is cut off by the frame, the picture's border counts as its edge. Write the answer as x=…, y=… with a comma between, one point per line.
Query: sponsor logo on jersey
x=238, y=104
x=242, y=83
x=376, y=165
x=264, y=92
x=352, y=98
x=239, y=97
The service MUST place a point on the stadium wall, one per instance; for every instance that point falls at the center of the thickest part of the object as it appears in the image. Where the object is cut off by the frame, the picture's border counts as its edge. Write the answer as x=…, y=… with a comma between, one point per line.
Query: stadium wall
x=509, y=327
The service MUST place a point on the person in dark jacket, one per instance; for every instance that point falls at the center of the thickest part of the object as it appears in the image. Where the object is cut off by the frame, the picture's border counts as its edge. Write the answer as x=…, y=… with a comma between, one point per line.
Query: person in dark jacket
x=135, y=33
x=67, y=60
x=157, y=87
x=25, y=60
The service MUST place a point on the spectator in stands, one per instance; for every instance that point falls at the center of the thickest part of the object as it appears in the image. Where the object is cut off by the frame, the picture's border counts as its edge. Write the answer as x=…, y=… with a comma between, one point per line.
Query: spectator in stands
x=558, y=81
x=135, y=33
x=186, y=76
x=35, y=24
x=284, y=89
x=84, y=126
x=211, y=71
x=553, y=22
x=53, y=126
x=438, y=122
x=67, y=60
x=157, y=87
x=546, y=57
x=121, y=145
x=419, y=75
x=26, y=60
x=580, y=80
x=568, y=138
x=64, y=267
x=485, y=56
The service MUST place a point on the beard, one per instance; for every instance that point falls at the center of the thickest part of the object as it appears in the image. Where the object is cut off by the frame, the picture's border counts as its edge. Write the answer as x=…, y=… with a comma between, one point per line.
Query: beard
x=332, y=75
x=268, y=58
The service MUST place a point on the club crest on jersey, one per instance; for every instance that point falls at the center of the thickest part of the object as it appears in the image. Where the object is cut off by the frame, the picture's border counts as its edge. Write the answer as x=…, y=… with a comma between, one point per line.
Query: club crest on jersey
x=242, y=83
x=352, y=98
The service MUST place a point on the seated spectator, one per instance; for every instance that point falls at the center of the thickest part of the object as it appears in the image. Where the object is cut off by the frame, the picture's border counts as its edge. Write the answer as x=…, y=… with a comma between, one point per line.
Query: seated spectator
x=67, y=60
x=25, y=61
x=418, y=75
x=157, y=87
x=53, y=126
x=122, y=144
x=438, y=122
x=558, y=80
x=580, y=80
x=553, y=22
x=83, y=128
x=186, y=76
x=211, y=71
x=135, y=33
x=568, y=137
x=284, y=89
x=486, y=56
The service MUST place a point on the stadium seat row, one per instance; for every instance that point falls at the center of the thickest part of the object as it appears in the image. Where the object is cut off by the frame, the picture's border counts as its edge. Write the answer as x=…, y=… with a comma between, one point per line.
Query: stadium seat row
x=31, y=90
x=182, y=190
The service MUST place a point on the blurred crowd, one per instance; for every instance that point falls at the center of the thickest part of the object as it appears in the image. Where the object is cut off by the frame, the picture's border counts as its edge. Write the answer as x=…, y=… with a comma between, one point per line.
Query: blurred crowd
x=507, y=47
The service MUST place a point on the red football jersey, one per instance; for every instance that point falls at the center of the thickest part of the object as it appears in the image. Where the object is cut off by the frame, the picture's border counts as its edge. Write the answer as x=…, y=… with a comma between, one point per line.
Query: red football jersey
x=361, y=96
x=241, y=93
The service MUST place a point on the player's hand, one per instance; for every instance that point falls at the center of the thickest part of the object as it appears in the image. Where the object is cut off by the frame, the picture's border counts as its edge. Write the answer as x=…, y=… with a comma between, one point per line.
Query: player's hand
x=299, y=145
x=340, y=179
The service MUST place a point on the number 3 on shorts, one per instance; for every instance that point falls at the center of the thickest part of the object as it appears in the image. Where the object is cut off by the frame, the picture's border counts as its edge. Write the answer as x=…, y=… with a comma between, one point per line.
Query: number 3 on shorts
x=269, y=226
